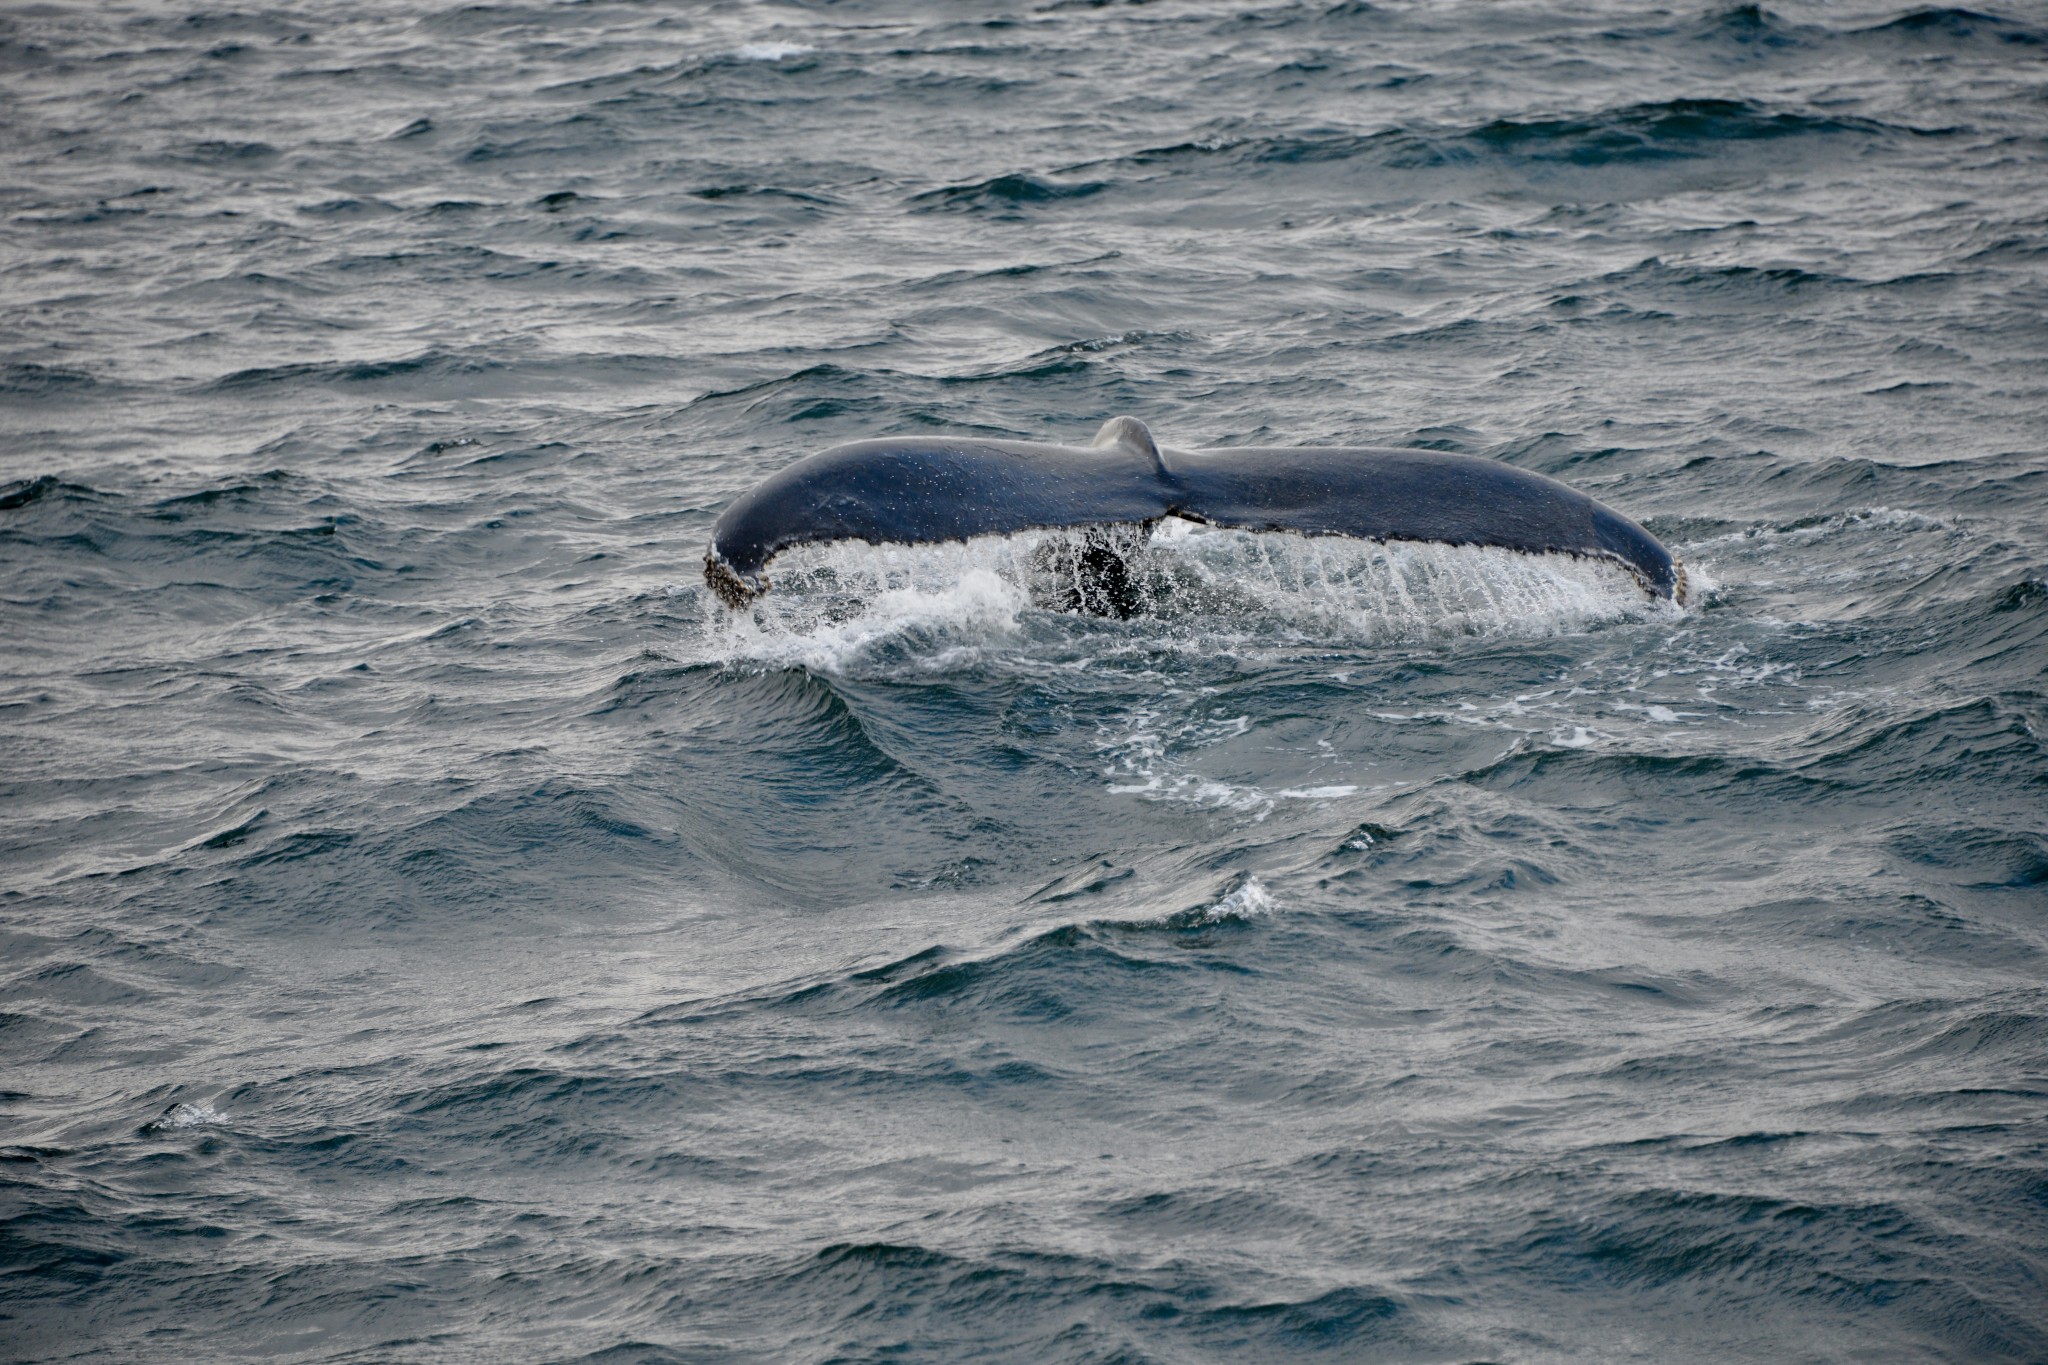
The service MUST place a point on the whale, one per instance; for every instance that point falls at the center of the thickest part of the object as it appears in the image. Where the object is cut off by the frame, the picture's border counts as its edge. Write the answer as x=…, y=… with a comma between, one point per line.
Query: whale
x=1114, y=489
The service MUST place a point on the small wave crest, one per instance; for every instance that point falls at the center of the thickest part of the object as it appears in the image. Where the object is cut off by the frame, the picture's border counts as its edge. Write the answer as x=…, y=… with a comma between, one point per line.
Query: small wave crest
x=1248, y=900
x=183, y=1115
x=770, y=51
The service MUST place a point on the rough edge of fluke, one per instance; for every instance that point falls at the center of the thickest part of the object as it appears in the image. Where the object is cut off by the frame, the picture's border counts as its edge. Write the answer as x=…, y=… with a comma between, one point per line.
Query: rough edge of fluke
x=732, y=590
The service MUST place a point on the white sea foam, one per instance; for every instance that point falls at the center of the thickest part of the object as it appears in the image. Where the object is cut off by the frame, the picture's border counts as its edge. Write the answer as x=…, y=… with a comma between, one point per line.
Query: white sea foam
x=188, y=1116
x=830, y=603
x=831, y=606
x=1884, y=520
x=1368, y=592
x=1150, y=752
x=770, y=52
x=1247, y=900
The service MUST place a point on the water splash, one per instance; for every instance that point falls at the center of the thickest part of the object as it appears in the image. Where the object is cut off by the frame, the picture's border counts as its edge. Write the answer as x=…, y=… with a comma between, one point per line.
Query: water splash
x=1248, y=900
x=1352, y=591
x=770, y=51
x=832, y=606
x=831, y=603
x=183, y=1115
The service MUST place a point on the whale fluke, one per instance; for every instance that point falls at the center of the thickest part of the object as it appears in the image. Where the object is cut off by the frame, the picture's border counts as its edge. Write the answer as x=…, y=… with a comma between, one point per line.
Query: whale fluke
x=921, y=490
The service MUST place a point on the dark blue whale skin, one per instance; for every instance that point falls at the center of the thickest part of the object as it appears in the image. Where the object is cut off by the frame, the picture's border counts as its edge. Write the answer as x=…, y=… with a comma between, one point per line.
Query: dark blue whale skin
x=918, y=490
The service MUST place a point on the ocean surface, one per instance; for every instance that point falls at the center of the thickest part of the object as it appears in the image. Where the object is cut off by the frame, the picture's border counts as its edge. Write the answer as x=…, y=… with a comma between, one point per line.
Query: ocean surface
x=433, y=928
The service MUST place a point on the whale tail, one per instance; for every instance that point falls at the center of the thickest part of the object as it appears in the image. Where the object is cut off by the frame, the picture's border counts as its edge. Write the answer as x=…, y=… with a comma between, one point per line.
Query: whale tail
x=1110, y=493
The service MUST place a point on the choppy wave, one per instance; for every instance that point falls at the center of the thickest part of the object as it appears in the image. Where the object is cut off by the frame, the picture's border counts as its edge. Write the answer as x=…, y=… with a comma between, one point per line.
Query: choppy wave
x=435, y=928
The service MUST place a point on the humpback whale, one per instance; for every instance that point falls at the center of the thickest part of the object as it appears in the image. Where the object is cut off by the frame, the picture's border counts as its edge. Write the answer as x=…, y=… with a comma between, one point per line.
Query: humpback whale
x=921, y=490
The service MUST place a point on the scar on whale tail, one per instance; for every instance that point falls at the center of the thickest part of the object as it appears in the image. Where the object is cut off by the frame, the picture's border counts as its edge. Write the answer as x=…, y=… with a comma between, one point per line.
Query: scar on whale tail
x=921, y=490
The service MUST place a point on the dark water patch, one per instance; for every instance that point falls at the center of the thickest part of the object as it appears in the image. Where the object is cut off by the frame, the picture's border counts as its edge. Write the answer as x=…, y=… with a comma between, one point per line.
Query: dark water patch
x=1050, y=978
x=22, y=492
x=866, y=1294
x=571, y=141
x=346, y=208
x=219, y=153
x=478, y=848
x=483, y=20
x=2004, y=1036
x=1912, y=925
x=548, y=455
x=566, y=1113
x=1695, y=286
x=822, y=391
x=1684, y=530
x=1830, y=1254
x=1088, y=882
x=1614, y=781
x=1997, y=1027
x=1342, y=1319
x=274, y=27
x=1946, y=743
x=71, y=983
x=1006, y=196
x=998, y=276
x=1117, y=341
x=237, y=496
x=1182, y=1212
x=101, y=212
x=1061, y=362
x=1948, y=24
x=809, y=719
x=2027, y=595
x=430, y=365
x=763, y=192
x=1622, y=136
x=792, y=727
x=1665, y=128
x=32, y=381
x=1748, y=26
x=2019, y=249
x=1980, y=858
x=637, y=1352
x=1855, y=494
x=508, y=826
x=1905, y=387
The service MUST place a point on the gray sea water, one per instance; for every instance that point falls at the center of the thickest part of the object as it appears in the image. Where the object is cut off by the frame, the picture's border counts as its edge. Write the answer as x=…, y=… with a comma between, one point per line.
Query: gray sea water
x=432, y=928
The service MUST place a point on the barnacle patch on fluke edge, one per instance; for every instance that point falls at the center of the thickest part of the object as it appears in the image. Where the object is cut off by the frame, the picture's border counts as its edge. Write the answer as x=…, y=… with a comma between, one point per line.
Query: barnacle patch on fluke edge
x=923, y=490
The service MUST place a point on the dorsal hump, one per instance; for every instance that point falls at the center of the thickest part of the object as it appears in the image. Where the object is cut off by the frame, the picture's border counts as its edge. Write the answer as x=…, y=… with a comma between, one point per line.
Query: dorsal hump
x=1130, y=434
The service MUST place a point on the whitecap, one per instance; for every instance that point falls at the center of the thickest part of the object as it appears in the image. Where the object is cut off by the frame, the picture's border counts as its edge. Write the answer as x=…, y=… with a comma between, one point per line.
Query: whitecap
x=188, y=1116
x=1249, y=899
x=770, y=52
